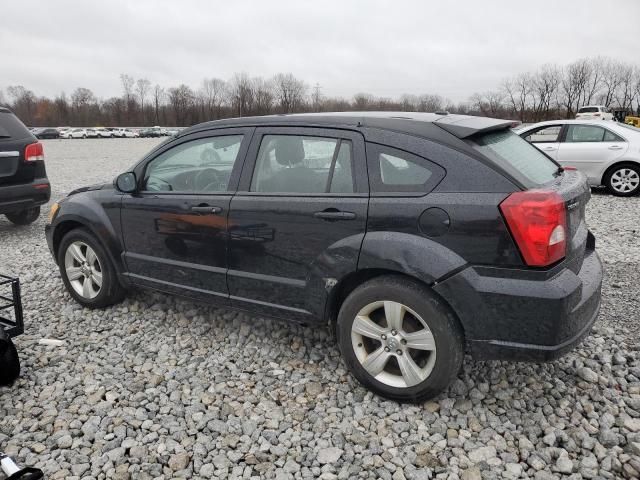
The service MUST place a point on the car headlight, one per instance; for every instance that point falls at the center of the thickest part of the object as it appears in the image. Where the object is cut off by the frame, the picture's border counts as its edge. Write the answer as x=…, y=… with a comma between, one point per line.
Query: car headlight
x=53, y=211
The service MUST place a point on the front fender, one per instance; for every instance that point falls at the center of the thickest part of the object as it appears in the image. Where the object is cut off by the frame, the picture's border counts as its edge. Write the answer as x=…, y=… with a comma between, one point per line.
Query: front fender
x=97, y=211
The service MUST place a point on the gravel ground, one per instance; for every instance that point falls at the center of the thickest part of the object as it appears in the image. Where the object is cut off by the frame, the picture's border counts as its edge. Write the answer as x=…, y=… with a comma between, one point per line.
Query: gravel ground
x=159, y=387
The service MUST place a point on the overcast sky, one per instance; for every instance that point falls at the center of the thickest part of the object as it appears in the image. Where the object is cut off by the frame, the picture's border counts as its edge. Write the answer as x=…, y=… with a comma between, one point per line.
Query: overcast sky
x=386, y=48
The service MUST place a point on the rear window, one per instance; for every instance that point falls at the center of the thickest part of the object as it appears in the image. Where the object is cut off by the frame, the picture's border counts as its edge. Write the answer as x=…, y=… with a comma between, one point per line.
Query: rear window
x=11, y=127
x=517, y=157
x=588, y=110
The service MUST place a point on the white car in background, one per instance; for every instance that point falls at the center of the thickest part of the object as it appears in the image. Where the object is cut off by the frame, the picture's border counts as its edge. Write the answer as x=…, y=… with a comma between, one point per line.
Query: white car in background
x=594, y=112
x=607, y=153
x=91, y=133
x=65, y=132
x=124, y=133
x=104, y=133
x=77, y=133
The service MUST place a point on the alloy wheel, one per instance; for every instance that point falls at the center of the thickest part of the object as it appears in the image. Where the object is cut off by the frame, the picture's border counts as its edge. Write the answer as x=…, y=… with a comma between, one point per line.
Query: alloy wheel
x=393, y=344
x=83, y=269
x=625, y=180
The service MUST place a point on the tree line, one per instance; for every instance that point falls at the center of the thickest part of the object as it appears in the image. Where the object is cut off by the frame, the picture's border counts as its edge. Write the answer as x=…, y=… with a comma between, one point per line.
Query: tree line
x=550, y=92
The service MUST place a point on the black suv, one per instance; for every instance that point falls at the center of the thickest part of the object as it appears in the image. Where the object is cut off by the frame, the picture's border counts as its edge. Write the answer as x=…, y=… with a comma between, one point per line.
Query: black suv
x=23, y=178
x=415, y=237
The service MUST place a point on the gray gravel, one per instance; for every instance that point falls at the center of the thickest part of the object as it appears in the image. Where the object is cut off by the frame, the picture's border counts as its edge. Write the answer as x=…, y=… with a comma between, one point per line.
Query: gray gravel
x=159, y=387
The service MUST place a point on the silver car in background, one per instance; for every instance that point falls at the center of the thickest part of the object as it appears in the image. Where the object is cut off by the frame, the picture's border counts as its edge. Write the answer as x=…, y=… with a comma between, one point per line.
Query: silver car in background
x=607, y=152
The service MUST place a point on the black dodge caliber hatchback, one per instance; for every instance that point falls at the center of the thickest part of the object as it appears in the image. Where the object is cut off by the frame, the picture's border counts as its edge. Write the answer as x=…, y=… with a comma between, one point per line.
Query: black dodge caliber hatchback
x=416, y=237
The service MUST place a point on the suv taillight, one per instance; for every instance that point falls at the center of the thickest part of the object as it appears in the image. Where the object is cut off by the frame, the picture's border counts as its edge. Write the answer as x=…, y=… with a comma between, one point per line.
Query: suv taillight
x=33, y=152
x=537, y=220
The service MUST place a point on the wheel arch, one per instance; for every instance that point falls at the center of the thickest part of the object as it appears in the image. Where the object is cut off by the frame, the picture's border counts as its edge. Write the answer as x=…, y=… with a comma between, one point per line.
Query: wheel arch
x=349, y=283
x=617, y=164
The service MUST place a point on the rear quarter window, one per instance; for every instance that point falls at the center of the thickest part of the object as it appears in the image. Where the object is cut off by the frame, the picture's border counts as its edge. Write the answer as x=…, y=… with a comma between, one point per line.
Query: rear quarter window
x=11, y=127
x=524, y=162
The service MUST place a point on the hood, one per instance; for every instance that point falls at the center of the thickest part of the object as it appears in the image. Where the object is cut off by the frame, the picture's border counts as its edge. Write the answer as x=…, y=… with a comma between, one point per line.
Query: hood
x=90, y=188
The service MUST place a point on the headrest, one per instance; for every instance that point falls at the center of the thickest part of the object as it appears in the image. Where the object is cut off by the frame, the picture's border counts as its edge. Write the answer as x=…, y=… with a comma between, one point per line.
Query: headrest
x=289, y=150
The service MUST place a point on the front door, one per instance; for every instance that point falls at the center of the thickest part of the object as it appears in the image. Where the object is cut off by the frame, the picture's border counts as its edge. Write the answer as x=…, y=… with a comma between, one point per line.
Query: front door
x=175, y=227
x=298, y=219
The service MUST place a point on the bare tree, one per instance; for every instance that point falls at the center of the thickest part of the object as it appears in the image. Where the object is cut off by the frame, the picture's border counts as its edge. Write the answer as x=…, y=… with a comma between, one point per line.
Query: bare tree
x=181, y=98
x=213, y=94
x=127, y=89
x=158, y=100
x=518, y=91
x=242, y=95
x=545, y=90
x=316, y=97
x=289, y=91
x=363, y=101
x=142, y=89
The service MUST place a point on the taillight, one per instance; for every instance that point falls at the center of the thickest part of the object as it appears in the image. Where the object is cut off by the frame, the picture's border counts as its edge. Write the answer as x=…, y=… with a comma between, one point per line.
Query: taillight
x=537, y=220
x=33, y=152
x=596, y=114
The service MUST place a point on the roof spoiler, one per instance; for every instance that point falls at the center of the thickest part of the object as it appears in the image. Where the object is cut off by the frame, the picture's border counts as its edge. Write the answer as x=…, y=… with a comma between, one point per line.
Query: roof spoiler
x=464, y=126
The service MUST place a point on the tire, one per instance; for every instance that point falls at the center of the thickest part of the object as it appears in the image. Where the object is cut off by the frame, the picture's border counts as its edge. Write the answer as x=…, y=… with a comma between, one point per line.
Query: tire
x=24, y=217
x=94, y=287
x=623, y=180
x=442, y=343
x=9, y=363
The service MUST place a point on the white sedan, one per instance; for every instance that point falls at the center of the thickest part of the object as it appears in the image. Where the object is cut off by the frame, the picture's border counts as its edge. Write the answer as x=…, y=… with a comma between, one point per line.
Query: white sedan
x=607, y=152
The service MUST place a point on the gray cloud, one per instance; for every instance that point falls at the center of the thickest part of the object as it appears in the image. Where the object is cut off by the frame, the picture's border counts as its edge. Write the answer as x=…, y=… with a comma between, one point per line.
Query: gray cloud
x=381, y=47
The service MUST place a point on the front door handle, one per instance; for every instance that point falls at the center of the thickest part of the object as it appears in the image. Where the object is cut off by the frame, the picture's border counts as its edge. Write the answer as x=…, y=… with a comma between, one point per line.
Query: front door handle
x=332, y=214
x=206, y=209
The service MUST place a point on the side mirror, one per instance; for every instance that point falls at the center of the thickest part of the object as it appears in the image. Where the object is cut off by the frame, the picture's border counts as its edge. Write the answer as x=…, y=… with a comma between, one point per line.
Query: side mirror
x=126, y=182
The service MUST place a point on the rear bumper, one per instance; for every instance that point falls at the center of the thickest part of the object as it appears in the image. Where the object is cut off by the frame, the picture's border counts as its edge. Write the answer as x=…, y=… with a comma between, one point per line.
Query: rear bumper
x=514, y=316
x=14, y=198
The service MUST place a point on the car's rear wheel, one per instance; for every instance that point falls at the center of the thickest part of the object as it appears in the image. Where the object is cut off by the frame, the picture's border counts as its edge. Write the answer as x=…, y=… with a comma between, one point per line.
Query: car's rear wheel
x=623, y=180
x=399, y=339
x=87, y=270
x=24, y=217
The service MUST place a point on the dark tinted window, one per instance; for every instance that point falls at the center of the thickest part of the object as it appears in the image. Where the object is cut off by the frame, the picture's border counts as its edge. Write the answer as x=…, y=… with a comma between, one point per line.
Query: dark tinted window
x=516, y=156
x=588, y=110
x=303, y=164
x=11, y=127
x=397, y=171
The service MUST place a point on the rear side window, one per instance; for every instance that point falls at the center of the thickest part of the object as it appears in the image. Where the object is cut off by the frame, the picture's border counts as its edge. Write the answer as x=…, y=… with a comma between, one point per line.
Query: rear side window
x=584, y=133
x=396, y=171
x=303, y=164
x=517, y=157
x=11, y=127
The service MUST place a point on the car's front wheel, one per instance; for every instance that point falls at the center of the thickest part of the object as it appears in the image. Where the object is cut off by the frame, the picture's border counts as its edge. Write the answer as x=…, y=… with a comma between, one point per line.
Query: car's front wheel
x=623, y=180
x=87, y=270
x=24, y=217
x=399, y=339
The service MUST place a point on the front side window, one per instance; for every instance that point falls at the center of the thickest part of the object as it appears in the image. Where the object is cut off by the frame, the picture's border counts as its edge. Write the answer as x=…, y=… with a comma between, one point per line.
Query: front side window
x=303, y=164
x=548, y=134
x=202, y=165
x=584, y=133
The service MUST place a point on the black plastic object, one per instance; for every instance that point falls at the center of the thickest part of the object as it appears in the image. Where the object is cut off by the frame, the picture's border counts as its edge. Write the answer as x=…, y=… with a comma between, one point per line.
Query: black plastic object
x=28, y=473
x=9, y=360
x=11, y=320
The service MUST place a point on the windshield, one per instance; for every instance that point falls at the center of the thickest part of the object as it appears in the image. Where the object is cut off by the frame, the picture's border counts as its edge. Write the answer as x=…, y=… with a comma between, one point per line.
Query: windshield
x=517, y=157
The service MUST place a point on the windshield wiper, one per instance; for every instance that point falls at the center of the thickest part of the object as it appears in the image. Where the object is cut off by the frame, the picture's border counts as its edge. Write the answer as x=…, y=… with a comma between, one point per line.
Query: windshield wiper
x=558, y=171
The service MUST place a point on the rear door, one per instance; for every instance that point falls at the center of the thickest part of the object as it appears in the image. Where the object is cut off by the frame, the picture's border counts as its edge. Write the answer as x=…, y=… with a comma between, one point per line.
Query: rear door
x=590, y=148
x=298, y=217
x=175, y=227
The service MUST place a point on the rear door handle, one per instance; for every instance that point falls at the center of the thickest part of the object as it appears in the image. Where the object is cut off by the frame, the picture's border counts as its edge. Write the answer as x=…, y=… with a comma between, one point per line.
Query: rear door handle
x=206, y=209
x=549, y=149
x=335, y=215
x=615, y=147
